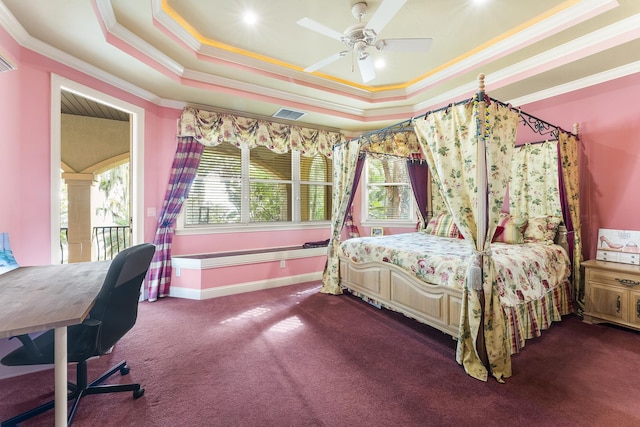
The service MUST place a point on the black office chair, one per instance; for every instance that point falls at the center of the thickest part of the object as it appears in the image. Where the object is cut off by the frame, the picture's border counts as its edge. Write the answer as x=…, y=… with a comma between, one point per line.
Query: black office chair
x=113, y=315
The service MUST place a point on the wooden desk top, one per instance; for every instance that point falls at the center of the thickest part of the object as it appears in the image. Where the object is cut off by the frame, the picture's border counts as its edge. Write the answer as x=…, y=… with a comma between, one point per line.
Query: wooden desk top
x=38, y=298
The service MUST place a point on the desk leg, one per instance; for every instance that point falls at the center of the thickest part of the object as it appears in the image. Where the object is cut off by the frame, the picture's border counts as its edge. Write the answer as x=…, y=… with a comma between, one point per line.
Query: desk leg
x=60, y=370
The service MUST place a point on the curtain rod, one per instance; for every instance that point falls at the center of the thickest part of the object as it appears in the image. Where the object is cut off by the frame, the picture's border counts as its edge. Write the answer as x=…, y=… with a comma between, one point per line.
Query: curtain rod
x=536, y=124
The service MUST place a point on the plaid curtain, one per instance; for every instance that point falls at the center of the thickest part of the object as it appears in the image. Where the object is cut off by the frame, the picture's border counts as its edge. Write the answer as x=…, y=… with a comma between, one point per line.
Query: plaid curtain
x=183, y=172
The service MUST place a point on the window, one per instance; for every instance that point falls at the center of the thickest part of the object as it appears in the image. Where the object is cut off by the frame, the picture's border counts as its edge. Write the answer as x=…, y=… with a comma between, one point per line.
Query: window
x=387, y=195
x=257, y=186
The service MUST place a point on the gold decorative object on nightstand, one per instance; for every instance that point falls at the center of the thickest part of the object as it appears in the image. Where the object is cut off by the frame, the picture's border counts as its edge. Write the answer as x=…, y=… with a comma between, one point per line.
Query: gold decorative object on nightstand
x=612, y=293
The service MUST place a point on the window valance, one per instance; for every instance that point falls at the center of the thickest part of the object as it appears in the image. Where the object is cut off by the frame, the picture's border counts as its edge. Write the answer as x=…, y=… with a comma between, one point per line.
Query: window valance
x=211, y=128
x=401, y=144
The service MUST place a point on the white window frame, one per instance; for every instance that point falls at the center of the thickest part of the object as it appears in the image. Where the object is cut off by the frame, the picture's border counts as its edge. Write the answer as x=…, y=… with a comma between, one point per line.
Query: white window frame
x=245, y=226
x=364, y=199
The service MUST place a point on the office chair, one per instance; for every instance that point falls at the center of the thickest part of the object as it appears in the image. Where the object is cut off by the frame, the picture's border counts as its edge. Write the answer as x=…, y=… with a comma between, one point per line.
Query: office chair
x=112, y=316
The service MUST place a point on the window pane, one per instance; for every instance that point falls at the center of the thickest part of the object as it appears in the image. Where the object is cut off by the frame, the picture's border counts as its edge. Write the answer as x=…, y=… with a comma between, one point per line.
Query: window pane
x=316, y=169
x=315, y=202
x=215, y=195
x=389, y=193
x=269, y=202
x=265, y=164
x=316, y=175
x=269, y=186
x=390, y=202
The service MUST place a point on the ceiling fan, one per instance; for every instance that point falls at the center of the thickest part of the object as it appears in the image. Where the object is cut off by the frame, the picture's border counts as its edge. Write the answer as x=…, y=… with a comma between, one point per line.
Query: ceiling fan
x=359, y=37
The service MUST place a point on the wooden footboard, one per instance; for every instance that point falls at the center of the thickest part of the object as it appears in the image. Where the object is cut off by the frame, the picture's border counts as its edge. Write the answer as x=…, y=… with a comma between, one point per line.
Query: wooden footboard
x=394, y=288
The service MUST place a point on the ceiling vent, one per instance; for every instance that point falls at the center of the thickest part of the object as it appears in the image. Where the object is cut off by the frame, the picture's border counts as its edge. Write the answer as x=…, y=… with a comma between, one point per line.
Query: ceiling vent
x=286, y=114
x=6, y=64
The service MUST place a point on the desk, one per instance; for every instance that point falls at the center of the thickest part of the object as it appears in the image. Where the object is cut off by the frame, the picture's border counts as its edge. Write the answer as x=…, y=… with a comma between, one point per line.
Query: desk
x=50, y=297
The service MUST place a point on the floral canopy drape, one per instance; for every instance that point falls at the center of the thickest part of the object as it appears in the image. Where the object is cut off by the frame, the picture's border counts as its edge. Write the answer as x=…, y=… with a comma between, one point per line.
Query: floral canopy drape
x=345, y=161
x=568, y=145
x=210, y=129
x=544, y=181
x=534, y=189
x=469, y=150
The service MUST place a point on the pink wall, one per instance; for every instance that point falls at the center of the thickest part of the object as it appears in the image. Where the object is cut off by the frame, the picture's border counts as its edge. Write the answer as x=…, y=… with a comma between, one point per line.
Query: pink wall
x=9, y=131
x=609, y=118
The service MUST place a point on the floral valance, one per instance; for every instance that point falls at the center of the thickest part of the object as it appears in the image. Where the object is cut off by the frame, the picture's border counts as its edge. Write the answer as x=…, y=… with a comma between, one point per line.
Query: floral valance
x=211, y=128
x=401, y=144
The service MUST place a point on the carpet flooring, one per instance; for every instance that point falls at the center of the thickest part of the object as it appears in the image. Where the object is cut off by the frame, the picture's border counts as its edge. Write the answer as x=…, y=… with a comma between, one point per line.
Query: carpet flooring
x=292, y=356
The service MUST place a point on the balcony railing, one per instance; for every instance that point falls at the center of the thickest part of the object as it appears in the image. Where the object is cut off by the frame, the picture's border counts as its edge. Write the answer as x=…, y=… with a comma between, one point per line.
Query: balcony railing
x=108, y=242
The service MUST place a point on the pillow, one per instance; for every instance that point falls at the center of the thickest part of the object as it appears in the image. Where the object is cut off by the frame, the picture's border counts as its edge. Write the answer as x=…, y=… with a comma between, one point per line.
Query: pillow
x=442, y=225
x=542, y=229
x=497, y=233
x=510, y=229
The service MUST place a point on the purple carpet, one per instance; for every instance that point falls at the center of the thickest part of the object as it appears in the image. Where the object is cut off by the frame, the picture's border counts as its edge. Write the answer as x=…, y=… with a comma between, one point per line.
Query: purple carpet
x=291, y=356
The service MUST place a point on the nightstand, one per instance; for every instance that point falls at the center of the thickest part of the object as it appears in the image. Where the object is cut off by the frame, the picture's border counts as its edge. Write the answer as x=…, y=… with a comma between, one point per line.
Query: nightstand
x=612, y=293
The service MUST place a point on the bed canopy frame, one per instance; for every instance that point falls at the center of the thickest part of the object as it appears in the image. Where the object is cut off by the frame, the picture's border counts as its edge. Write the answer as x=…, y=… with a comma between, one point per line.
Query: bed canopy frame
x=348, y=163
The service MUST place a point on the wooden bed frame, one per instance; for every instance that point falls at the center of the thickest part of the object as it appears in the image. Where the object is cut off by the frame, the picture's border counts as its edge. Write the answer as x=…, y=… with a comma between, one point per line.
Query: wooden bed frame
x=394, y=288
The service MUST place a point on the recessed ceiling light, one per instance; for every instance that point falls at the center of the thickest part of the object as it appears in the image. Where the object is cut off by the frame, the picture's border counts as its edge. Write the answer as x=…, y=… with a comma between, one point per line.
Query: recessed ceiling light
x=250, y=18
x=380, y=63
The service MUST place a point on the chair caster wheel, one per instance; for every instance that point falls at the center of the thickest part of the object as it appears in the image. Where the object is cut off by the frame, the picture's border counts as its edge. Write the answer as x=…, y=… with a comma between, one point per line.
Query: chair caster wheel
x=138, y=393
x=125, y=370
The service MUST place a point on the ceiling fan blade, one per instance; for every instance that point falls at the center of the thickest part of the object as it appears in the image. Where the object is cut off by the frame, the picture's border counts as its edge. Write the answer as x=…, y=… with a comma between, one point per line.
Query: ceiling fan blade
x=325, y=61
x=367, y=70
x=405, y=45
x=319, y=28
x=385, y=13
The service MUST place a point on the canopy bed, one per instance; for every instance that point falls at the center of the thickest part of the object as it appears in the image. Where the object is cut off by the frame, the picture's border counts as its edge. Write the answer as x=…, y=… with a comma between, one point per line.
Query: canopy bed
x=488, y=275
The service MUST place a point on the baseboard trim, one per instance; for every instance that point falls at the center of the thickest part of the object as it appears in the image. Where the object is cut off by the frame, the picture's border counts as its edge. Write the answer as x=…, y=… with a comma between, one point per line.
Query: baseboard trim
x=221, y=291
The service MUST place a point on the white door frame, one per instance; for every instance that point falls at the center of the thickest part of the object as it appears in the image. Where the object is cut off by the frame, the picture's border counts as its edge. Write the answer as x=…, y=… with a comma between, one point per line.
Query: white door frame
x=136, y=207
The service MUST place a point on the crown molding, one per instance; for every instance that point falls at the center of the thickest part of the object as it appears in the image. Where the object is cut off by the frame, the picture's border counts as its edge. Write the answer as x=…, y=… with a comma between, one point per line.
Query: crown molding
x=595, y=79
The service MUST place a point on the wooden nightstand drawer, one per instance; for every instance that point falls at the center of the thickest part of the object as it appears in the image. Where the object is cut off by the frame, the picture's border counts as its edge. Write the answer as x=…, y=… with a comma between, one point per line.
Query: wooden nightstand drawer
x=612, y=293
x=616, y=278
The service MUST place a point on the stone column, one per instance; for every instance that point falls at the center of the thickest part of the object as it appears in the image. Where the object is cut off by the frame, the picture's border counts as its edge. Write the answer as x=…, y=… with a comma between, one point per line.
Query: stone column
x=80, y=215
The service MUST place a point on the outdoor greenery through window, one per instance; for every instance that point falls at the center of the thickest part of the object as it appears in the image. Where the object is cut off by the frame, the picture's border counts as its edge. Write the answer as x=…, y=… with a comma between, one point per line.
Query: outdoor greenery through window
x=388, y=195
x=251, y=186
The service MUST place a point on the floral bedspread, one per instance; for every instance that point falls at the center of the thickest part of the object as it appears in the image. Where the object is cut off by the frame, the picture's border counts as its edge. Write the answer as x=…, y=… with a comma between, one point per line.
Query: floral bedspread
x=526, y=272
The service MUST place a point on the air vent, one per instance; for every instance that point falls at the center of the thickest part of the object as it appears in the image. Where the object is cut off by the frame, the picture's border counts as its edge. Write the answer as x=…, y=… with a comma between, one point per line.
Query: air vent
x=6, y=64
x=286, y=114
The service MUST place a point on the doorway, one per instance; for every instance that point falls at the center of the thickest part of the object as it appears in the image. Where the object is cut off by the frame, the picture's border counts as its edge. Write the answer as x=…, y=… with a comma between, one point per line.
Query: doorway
x=96, y=104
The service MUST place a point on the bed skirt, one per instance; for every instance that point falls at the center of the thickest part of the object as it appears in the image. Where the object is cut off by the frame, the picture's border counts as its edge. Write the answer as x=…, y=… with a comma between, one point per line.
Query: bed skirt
x=529, y=319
